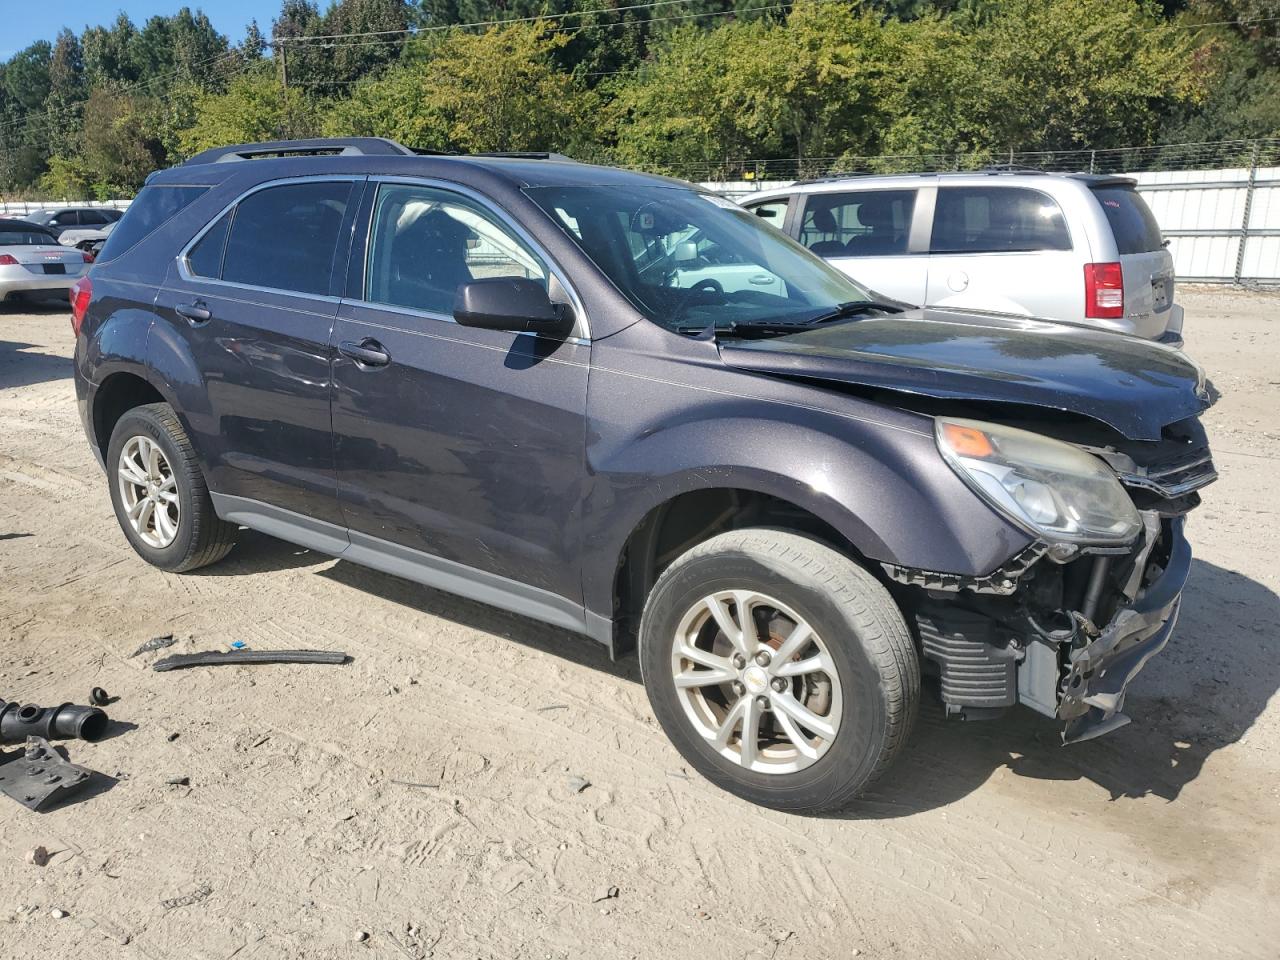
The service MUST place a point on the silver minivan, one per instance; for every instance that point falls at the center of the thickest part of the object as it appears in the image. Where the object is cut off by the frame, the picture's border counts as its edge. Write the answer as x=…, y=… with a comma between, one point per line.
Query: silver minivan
x=1076, y=248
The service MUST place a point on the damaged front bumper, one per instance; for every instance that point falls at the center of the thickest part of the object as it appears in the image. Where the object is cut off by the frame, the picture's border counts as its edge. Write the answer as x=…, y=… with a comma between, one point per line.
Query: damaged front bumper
x=1028, y=635
x=1099, y=672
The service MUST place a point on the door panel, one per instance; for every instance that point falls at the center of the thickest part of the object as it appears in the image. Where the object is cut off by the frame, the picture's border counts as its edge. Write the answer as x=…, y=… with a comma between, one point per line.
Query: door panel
x=264, y=360
x=467, y=444
x=902, y=278
x=261, y=408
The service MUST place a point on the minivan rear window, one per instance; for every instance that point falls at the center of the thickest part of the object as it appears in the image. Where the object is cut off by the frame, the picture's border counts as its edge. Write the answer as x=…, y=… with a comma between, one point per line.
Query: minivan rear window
x=155, y=205
x=1132, y=221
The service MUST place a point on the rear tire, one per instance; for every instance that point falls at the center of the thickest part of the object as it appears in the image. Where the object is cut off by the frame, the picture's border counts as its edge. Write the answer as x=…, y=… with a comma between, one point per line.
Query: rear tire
x=159, y=492
x=833, y=678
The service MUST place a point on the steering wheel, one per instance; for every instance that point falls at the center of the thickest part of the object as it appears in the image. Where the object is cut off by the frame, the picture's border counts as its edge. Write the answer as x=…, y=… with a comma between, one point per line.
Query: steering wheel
x=709, y=284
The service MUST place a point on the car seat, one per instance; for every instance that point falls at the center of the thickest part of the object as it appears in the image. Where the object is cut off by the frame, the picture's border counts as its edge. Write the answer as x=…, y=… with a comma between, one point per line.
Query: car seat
x=428, y=262
x=823, y=220
x=883, y=237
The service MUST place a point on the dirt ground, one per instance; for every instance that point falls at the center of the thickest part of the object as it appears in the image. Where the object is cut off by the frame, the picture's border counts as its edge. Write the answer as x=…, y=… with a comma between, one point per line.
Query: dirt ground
x=424, y=794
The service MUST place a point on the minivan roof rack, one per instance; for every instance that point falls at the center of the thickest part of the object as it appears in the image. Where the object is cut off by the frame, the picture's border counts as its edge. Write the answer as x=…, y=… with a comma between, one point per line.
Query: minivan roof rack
x=319, y=146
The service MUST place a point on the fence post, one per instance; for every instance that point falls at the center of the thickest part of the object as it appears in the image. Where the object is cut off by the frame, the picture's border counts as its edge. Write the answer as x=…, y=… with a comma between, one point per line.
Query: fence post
x=1093, y=158
x=1248, y=205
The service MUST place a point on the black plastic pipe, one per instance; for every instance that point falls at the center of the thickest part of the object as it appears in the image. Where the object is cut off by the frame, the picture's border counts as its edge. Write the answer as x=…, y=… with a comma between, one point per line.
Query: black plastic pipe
x=67, y=722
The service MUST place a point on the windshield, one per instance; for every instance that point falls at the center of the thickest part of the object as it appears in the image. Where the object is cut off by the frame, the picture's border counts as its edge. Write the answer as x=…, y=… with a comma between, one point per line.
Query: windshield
x=688, y=259
x=25, y=238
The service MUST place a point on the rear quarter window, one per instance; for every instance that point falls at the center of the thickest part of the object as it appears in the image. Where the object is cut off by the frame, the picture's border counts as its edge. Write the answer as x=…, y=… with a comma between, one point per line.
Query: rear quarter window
x=1132, y=222
x=154, y=206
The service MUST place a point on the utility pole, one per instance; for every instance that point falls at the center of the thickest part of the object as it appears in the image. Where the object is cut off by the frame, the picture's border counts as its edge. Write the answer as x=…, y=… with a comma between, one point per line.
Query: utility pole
x=284, y=88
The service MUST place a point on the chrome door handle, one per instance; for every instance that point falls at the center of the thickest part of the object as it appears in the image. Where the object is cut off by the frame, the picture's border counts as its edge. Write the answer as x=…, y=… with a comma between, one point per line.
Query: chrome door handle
x=368, y=352
x=194, y=312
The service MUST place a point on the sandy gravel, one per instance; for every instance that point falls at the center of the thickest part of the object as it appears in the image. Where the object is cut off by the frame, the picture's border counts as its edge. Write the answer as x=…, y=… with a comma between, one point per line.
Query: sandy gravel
x=423, y=793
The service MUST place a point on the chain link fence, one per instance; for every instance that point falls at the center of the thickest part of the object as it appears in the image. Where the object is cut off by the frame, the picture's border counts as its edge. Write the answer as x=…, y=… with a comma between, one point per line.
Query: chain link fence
x=1183, y=156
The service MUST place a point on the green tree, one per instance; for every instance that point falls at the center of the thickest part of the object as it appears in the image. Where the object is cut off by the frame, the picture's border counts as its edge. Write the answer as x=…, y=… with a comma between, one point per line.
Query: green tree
x=26, y=76
x=809, y=87
x=120, y=141
x=1062, y=74
x=108, y=54
x=180, y=47
x=252, y=108
x=67, y=179
x=499, y=90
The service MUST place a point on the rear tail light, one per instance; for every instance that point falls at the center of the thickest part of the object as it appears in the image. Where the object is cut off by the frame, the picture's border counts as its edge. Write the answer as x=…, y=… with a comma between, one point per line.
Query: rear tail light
x=1103, y=291
x=88, y=257
x=81, y=292
x=8, y=260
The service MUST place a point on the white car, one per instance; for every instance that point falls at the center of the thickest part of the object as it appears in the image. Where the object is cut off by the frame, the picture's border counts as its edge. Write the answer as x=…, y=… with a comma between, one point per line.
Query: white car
x=1075, y=248
x=86, y=238
x=34, y=265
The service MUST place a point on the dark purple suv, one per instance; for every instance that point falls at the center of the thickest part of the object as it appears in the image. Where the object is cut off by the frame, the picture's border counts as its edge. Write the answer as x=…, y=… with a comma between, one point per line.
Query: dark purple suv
x=622, y=405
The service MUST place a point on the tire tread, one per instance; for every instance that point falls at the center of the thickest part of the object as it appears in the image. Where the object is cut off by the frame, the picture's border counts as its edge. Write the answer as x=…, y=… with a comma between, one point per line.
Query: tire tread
x=882, y=631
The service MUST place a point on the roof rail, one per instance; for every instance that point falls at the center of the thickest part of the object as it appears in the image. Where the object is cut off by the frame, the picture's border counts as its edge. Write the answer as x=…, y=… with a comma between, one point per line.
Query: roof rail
x=1005, y=168
x=320, y=146
x=522, y=155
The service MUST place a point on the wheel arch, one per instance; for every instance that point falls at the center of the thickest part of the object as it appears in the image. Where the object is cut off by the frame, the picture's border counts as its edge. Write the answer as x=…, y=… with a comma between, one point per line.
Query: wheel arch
x=683, y=520
x=116, y=395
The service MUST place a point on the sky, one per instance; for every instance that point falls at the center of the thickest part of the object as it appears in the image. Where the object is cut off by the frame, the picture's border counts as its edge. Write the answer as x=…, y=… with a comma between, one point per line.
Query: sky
x=23, y=22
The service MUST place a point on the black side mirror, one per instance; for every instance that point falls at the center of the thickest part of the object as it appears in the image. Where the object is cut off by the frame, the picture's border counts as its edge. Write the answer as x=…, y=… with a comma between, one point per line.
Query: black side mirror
x=509, y=303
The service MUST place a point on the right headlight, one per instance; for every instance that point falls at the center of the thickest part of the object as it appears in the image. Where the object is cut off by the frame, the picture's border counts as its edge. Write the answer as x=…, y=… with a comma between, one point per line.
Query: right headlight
x=1056, y=491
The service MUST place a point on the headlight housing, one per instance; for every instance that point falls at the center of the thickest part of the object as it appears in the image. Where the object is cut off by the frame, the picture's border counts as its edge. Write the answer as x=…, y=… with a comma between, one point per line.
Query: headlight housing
x=1050, y=488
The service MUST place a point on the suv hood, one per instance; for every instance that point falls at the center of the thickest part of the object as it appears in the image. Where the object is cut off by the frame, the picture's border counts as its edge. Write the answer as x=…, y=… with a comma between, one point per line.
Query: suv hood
x=1132, y=385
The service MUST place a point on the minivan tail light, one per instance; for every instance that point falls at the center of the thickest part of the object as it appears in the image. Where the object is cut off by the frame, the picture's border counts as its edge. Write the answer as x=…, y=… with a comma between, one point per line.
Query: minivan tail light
x=81, y=292
x=7, y=260
x=1103, y=291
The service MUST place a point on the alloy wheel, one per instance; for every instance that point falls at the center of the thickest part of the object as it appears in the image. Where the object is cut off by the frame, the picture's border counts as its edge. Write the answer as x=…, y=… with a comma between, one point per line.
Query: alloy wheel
x=756, y=681
x=149, y=492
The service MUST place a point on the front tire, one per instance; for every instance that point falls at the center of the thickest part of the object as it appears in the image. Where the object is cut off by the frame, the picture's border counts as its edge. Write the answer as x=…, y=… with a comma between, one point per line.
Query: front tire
x=781, y=670
x=159, y=493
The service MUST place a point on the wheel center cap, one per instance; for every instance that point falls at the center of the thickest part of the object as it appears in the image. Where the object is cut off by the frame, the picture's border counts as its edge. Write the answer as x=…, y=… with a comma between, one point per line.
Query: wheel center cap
x=755, y=679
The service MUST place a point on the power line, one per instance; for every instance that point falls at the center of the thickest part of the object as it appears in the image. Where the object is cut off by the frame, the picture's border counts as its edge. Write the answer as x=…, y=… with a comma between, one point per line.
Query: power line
x=572, y=29
x=128, y=88
x=478, y=23
x=1227, y=23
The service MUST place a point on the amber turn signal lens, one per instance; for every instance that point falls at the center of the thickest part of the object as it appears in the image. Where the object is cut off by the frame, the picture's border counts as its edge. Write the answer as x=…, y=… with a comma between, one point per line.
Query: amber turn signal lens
x=967, y=442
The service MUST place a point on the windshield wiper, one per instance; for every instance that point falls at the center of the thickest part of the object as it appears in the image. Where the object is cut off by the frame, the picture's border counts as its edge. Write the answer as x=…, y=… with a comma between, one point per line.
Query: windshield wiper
x=853, y=308
x=843, y=311
x=730, y=327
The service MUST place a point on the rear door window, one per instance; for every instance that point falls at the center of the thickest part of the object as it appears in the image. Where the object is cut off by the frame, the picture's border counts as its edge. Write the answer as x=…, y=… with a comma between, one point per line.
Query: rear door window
x=997, y=220
x=155, y=205
x=1132, y=221
x=285, y=237
x=868, y=223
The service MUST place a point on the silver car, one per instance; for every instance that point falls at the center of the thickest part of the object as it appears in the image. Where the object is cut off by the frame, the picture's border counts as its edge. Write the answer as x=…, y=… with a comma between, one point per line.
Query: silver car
x=34, y=265
x=1075, y=248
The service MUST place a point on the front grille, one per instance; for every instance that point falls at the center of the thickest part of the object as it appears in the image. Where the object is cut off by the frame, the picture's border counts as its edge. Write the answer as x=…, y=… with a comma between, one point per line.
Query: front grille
x=1174, y=476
